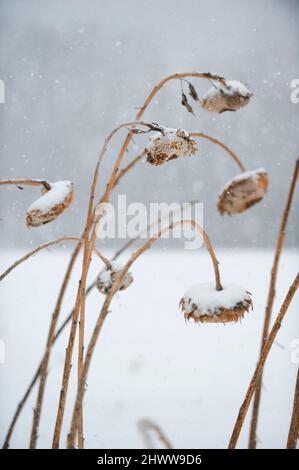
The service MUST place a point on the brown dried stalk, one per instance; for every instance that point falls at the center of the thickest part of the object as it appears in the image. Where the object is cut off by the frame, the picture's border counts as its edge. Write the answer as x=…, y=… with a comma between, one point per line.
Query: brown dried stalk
x=104, y=312
x=87, y=252
x=51, y=339
x=294, y=425
x=80, y=368
x=127, y=168
x=270, y=301
x=28, y=182
x=221, y=144
x=89, y=244
x=146, y=425
x=59, y=331
x=36, y=250
x=123, y=149
x=266, y=349
x=43, y=366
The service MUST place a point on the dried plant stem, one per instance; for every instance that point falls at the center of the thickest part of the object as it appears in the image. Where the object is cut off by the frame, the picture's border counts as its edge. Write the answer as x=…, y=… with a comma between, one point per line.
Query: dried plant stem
x=270, y=301
x=36, y=250
x=128, y=168
x=294, y=425
x=89, y=244
x=128, y=138
x=25, y=182
x=43, y=373
x=85, y=266
x=102, y=258
x=266, y=349
x=222, y=145
x=20, y=407
x=80, y=368
x=175, y=76
x=104, y=312
x=146, y=425
x=43, y=368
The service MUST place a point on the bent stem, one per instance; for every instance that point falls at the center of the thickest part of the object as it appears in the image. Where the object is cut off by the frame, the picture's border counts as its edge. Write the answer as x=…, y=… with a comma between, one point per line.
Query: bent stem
x=25, y=182
x=36, y=250
x=265, y=352
x=270, y=301
x=44, y=365
x=222, y=145
x=75, y=253
x=146, y=425
x=80, y=367
x=89, y=244
x=87, y=252
x=42, y=371
x=43, y=368
x=104, y=312
x=294, y=425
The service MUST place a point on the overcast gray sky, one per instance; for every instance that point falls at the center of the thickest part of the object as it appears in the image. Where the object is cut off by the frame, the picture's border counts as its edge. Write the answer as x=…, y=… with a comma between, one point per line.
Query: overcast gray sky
x=73, y=70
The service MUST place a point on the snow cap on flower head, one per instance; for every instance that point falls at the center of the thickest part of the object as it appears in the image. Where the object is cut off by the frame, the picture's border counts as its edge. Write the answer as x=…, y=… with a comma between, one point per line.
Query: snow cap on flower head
x=168, y=145
x=243, y=191
x=51, y=204
x=108, y=276
x=228, y=96
x=204, y=304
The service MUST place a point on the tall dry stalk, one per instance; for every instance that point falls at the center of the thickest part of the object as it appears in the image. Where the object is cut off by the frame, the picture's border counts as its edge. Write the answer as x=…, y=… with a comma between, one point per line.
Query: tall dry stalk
x=105, y=308
x=42, y=371
x=44, y=364
x=139, y=114
x=85, y=264
x=257, y=373
x=270, y=301
x=51, y=340
x=89, y=244
x=294, y=425
x=36, y=250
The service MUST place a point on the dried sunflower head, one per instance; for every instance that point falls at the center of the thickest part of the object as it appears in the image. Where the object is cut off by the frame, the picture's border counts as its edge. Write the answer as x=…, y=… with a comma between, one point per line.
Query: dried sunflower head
x=171, y=144
x=229, y=96
x=108, y=276
x=204, y=304
x=243, y=191
x=51, y=204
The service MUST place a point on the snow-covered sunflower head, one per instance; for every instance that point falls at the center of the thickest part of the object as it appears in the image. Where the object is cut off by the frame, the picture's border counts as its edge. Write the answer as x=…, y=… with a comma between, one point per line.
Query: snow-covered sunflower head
x=108, y=276
x=56, y=197
x=243, y=191
x=228, y=96
x=204, y=304
x=169, y=145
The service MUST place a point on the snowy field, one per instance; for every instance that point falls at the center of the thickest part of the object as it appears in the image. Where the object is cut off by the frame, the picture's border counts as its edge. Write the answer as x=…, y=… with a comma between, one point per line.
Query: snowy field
x=190, y=379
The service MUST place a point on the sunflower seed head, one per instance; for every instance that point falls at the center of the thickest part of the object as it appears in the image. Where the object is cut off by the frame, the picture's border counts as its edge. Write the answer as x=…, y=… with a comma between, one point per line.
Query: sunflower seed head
x=173, y=144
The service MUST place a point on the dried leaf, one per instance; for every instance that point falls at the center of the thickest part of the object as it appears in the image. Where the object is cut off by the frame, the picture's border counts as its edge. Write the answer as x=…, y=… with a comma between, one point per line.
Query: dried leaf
x=193, y=92
x=185, y=103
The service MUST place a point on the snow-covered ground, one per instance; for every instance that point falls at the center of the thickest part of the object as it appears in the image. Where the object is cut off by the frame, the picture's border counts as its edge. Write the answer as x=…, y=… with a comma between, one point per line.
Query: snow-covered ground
x=189, y=378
